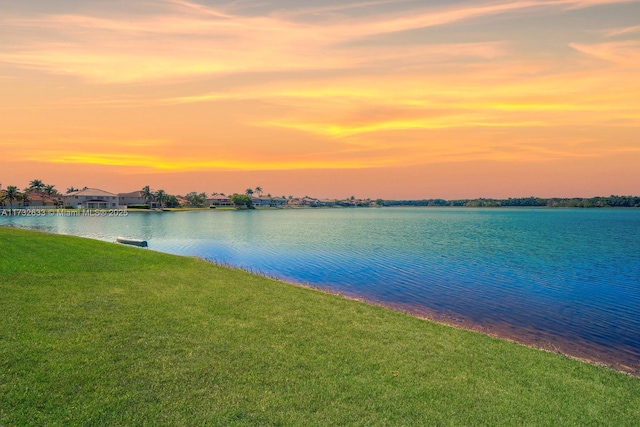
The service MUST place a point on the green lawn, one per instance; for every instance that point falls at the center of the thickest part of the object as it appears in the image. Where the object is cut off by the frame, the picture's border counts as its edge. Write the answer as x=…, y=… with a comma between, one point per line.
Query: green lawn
x=94, y=333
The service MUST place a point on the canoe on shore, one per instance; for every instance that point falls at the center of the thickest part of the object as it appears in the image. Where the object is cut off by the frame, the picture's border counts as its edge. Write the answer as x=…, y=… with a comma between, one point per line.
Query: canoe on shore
x=134, y=242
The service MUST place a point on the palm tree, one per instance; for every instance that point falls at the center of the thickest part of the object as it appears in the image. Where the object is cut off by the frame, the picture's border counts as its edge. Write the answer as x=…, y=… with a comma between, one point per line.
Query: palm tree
x=160, y=196
x=259, y=191
x=25, y=196
x=36, y=185
x=249, y=192
x=147, y=194
x=72, y=189
x=11, y=195
x=50, y=190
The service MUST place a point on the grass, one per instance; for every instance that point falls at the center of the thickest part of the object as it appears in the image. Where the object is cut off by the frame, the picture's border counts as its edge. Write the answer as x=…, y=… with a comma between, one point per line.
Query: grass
x=93, y=333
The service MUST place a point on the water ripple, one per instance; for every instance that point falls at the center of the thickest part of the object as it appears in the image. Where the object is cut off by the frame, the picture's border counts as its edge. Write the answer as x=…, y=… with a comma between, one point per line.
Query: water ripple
x=569, y=279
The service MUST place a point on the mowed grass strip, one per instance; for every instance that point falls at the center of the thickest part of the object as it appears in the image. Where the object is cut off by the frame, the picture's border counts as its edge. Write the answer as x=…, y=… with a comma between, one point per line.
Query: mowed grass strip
x=93, y=333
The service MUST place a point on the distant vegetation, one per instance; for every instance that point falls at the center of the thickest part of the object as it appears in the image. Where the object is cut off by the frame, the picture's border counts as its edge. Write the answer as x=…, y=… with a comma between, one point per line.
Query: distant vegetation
x=576, y=202
x=12, y=197
x=242, y=200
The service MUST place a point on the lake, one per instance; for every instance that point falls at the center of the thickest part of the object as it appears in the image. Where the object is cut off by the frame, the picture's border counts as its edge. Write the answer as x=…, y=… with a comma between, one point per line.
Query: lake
x=562, y=279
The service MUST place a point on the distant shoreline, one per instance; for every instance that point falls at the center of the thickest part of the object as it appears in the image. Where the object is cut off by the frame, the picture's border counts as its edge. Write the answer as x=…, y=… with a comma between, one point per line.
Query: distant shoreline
x=124, y=211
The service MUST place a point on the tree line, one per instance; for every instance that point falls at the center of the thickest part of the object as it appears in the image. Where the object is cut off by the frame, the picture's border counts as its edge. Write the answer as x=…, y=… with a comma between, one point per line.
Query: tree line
x=12, y=196
x=555, y=202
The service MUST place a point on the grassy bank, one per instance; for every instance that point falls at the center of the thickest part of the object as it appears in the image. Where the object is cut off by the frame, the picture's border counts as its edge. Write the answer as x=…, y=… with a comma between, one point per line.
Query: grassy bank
x=93, y=333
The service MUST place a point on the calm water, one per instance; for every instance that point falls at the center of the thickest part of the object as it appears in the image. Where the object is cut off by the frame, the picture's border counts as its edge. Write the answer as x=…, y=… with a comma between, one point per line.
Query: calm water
x=561, y=279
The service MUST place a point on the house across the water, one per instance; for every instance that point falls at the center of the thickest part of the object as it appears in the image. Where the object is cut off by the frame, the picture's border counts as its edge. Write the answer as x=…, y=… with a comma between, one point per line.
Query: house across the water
x=132, y=198
x=91, y=198
x=218, y=200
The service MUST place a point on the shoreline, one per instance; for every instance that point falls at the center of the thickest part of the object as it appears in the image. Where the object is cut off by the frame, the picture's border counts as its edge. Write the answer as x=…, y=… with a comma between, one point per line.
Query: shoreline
x=124, y=211
x=529, y=337
x=573, y=349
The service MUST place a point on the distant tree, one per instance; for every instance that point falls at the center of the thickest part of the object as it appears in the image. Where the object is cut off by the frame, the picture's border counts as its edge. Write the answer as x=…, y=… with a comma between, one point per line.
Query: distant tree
x=24, y=196
x=196, y=200
x=11, y=195
x=259, y=191
x=36, y=185
x=191, y=198
x=172, y=201
x=50, y=190
x=242, y=200
x=160, y=196
x=248, y=192
x=72, y=189
x=147, y=194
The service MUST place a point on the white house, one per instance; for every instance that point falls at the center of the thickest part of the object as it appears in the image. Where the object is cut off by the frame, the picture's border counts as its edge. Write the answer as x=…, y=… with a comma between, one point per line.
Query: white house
x=91, y=198
x=219, y=200
x=261, y=201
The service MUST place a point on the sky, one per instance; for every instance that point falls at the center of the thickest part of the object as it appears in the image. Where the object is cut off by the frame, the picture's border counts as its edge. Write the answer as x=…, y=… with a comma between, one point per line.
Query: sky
x=379, y=99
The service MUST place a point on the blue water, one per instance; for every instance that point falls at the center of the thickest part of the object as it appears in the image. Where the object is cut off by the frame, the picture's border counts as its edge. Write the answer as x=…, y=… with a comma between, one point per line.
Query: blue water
x=563, y=279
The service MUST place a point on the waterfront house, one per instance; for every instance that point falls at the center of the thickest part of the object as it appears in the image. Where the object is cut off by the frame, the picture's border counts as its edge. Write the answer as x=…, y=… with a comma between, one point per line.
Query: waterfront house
x=219, y=200
x=42, y=201
x=273, y=202
x=305, y=201
x=182, y=201
x=327, y=202
x=261, y=201
x=91, y=198
x=132, y=198
x=278, y=201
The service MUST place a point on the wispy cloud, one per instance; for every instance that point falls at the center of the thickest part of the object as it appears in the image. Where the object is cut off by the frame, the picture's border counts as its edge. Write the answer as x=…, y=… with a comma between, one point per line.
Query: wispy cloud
x=626, y=53
x=622, y=31
x=179, y=39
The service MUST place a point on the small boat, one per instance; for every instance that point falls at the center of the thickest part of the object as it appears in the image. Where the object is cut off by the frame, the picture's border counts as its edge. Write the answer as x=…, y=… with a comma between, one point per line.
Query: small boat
x=134, y=242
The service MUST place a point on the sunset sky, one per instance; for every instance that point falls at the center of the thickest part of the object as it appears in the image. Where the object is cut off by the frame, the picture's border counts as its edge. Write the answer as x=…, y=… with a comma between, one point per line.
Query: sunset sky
x=390, y=99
